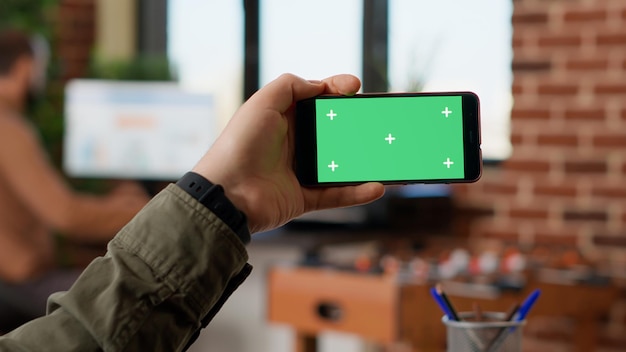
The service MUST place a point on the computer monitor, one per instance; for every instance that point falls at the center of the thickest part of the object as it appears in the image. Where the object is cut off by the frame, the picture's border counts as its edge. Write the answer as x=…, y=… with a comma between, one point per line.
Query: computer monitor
x=135, y=130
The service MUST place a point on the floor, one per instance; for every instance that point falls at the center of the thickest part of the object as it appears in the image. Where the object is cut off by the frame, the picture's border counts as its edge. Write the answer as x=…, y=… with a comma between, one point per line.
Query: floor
x=241, y=325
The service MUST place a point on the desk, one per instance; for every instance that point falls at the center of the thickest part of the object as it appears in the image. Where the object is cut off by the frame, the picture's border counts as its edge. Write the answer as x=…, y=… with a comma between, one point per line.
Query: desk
x=383, y=310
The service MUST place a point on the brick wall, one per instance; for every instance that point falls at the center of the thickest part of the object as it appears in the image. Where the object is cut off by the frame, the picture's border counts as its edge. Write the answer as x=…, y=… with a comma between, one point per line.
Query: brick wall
x=75, y=36
x=565, y=183
x=564, y=186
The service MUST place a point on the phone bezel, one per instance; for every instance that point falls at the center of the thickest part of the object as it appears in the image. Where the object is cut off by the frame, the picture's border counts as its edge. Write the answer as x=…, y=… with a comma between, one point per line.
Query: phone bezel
x=305, y=163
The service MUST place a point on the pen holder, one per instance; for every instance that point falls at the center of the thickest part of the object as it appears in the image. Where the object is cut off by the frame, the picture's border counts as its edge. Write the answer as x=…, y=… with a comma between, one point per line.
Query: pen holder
x=491, y=334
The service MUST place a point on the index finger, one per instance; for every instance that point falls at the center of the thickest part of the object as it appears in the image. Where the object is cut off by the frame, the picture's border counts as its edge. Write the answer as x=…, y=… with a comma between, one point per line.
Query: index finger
x=342, y=84
x=281, y=93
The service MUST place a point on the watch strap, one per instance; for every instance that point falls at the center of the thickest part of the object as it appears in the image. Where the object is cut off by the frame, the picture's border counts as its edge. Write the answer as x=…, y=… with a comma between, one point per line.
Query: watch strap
x=213, y=197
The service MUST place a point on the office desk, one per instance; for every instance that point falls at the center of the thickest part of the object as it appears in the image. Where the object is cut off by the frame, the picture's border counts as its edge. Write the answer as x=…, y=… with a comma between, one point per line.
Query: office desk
x=383, y=310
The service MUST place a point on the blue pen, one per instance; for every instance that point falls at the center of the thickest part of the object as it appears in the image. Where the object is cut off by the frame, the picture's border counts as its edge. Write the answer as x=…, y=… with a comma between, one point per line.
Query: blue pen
x=527, y=305
x=442, y=304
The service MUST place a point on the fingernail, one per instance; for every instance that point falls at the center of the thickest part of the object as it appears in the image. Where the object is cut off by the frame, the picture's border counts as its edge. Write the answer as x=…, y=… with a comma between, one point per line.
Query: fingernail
x=313, y=81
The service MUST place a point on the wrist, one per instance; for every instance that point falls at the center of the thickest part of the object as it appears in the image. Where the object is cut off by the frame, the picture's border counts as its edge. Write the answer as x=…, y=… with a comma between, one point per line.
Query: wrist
x=214, y=198
x=239, y=189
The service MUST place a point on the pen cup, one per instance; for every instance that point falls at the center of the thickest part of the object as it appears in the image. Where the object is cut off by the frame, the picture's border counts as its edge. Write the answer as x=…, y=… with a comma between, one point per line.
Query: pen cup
x=491, y=334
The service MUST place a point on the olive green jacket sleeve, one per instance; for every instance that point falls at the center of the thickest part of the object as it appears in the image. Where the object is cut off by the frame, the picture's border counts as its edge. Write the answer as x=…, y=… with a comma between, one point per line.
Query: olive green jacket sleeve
x=164, y=276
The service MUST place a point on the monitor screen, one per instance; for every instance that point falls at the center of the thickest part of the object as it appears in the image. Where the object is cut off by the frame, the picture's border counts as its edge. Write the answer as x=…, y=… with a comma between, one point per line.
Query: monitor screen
x=135, y=130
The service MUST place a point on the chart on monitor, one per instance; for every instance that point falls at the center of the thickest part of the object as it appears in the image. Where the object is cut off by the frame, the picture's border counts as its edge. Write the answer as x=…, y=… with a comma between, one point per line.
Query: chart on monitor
x=135, y=130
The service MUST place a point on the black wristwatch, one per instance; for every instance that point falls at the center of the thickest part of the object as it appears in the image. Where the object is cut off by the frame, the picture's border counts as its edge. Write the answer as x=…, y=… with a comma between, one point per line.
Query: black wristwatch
x=212, y=196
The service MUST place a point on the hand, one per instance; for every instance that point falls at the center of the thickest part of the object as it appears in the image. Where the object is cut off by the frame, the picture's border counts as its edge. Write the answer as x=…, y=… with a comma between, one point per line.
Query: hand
x=253, y=157
x=130, y=188
x=128, y=194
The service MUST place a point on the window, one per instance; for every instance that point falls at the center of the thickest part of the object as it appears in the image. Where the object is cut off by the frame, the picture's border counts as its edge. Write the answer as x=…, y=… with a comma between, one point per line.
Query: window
x=312, y=39
x=206, y=46
x=457, y=45
x=432, y=45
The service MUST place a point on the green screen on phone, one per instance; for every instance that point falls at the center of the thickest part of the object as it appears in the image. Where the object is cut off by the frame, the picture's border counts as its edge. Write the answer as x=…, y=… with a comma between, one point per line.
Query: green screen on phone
x=389, y=138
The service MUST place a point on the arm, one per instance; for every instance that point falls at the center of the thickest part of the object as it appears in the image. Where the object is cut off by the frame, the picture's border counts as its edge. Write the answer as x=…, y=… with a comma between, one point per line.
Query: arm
x=178, y=260
x=26, y=168
x=170, y=269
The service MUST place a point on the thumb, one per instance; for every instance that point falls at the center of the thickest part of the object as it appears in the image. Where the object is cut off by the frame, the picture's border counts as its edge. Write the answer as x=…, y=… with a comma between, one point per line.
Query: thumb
x=345, y=196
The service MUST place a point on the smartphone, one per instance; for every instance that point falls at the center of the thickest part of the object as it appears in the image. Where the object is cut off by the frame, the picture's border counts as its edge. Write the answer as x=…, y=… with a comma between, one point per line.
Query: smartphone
x=392, y=138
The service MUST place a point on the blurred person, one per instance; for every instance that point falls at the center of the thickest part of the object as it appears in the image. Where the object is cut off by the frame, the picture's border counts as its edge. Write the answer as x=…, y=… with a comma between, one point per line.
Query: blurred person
x=35, y=201
x=169, y=271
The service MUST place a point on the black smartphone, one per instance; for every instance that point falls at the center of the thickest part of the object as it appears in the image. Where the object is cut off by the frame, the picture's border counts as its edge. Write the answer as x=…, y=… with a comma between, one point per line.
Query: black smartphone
x=393, y=138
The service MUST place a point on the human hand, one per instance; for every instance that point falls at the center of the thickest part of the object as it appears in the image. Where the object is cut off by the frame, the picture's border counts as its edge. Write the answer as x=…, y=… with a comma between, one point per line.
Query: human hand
x=253, y=158
x=128, y=193
x=129, y=188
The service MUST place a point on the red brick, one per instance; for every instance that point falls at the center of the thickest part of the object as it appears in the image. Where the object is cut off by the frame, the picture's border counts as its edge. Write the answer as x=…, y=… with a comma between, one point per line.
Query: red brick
x=578, y=16
x=606, y=88
x=516, y=89
x=500, y=188
x=516, y=138
x=524, y=142
x=75, y=34
x=558, y=89
x=531, y=66
x=585, y=215
x=527, y=165
x=610, y=240
x=557, y=139
x=584, y=114
x=517, y=42
x=555, y=239
x=528, y=213
x=76, y=3
x=558, y=190
x=566, y=40
x=611, y=39
x=604, y=191
x=587, y=64
x=616, y=140
x=74, y=53
x=74, y=69
x=521, y=18
x=534, y=114
x=585, y=167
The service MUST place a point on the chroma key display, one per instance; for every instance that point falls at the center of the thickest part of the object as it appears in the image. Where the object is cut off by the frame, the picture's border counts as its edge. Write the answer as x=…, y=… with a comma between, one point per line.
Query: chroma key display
x=389, y=138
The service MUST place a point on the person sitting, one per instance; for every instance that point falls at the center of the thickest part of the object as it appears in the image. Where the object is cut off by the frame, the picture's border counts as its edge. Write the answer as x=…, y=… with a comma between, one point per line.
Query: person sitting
x=36, y=202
